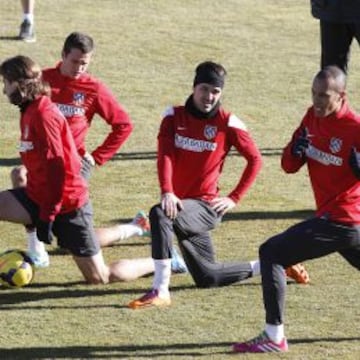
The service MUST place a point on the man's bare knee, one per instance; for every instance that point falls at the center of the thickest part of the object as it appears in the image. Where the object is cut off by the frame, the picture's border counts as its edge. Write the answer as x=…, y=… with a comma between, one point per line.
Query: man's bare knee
x=18, y=176
x=93, y=268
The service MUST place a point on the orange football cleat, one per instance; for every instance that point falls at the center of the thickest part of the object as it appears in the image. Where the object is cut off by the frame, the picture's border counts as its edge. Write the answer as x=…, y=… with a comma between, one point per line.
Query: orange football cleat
x=150, y=299
x=298, y=273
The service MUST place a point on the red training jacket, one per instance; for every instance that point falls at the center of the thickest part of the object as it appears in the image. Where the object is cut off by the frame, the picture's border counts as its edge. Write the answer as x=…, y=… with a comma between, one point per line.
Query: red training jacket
x=192, y=151
x=49, y=154
x=79, y=100
x=336, y=189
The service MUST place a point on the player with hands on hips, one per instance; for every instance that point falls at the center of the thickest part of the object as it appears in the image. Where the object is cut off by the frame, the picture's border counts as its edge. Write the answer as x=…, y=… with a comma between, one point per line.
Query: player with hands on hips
x=193, y=142
x=171, y=205
x=222, y=205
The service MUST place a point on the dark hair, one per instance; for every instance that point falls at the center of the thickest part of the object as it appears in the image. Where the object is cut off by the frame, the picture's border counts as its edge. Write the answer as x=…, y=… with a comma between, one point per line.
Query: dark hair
x=27, y=73
x=78, y=40
x=211, y=66
x=210, y=72
x=335, y=74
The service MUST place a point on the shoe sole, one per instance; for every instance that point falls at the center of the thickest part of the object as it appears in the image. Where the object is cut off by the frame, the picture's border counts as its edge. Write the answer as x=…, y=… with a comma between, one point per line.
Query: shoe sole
x=158, y=303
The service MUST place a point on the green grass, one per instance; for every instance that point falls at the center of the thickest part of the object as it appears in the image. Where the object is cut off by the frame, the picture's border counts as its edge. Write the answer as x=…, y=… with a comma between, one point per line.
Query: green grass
x=146, y=52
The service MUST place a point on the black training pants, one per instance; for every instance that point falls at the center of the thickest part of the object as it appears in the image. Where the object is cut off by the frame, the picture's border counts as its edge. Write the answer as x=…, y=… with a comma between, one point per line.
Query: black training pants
x=336, y=39
x=192, y=227
x=310, y=239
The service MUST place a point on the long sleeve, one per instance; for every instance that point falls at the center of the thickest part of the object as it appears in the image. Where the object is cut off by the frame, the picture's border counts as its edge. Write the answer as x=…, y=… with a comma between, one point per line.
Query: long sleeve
x=119, y=120
x=243, y=142
x=49, y=140
x=165, y=155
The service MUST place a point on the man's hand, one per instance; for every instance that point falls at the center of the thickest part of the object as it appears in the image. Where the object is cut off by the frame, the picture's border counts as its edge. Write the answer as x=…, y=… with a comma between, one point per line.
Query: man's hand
x=354, y=162
x=171, y=205
x=222, y=205
x=44, y=231
x=89, y=159
x=301, y=144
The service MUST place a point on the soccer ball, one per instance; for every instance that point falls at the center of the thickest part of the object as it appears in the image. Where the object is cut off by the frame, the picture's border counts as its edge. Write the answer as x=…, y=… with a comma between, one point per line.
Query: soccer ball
x=16, y=268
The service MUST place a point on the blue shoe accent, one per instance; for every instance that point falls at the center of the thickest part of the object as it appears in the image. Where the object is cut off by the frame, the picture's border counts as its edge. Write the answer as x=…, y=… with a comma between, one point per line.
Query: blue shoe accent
x=178, y=265
x=40, y=260
x=142, y=221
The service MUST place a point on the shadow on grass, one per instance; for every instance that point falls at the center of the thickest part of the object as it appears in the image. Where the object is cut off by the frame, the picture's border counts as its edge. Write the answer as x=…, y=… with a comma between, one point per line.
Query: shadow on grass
x=9, y=38
x=252, y=215
x=268, y=215
x=10, y=161
x=140, y=155
x=134, y=351
x=17, y=297
x=115, y=352
x=9, y=299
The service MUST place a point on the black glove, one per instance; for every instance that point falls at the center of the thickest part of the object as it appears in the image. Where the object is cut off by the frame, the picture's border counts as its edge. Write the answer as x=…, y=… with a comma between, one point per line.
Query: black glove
x=354, y=162
x=301, y=144
x=44, y=231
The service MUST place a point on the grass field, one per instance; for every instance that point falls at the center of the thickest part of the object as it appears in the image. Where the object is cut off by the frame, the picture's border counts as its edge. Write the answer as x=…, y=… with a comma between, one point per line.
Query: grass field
x=146, y=53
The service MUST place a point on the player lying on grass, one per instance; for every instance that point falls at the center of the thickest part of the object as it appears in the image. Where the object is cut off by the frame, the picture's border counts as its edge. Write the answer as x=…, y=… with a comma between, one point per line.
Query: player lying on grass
x=193, y=143
x=327, y=142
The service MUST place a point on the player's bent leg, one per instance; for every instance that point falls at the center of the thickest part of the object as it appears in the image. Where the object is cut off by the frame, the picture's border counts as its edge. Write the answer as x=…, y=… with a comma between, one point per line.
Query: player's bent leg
x=93, y=268
x=107, y=236
x=205, y=271
x=95, y=271
x=35, y=248
x=131, y=269
x=12, y=210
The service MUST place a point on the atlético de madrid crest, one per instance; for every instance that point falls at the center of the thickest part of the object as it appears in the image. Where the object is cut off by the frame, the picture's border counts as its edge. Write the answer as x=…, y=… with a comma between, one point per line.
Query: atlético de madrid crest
x=78, y=98
x=210, y=132
x=335, y=145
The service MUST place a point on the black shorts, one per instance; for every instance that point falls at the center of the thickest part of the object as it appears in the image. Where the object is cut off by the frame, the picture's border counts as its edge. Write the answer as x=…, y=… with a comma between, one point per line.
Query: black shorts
x=74, y=230
x=30, y=206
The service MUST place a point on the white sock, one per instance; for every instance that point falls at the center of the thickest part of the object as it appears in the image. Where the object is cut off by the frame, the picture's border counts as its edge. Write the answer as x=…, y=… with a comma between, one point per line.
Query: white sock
x=275, y=332
x=29, y=17
x=162, y=275
x=126, y=231
x=255, y=267
x=35, y=245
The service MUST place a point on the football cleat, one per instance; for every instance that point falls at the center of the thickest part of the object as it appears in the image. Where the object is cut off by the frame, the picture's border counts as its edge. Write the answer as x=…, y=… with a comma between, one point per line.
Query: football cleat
x=298, y=273
x=260, y=344
x=142, y=221
x=178, y=265
x=40, y=260
x=150, y=299
x=27, y=32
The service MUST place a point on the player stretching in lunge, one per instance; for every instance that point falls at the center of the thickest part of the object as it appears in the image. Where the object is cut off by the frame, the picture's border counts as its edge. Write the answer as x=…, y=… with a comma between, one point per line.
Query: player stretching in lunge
x=55, y=198
x=193, y=142
x=327, y=142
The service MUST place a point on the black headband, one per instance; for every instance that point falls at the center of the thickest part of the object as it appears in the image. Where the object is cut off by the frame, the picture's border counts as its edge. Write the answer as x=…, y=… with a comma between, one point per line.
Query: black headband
x=209, y=76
